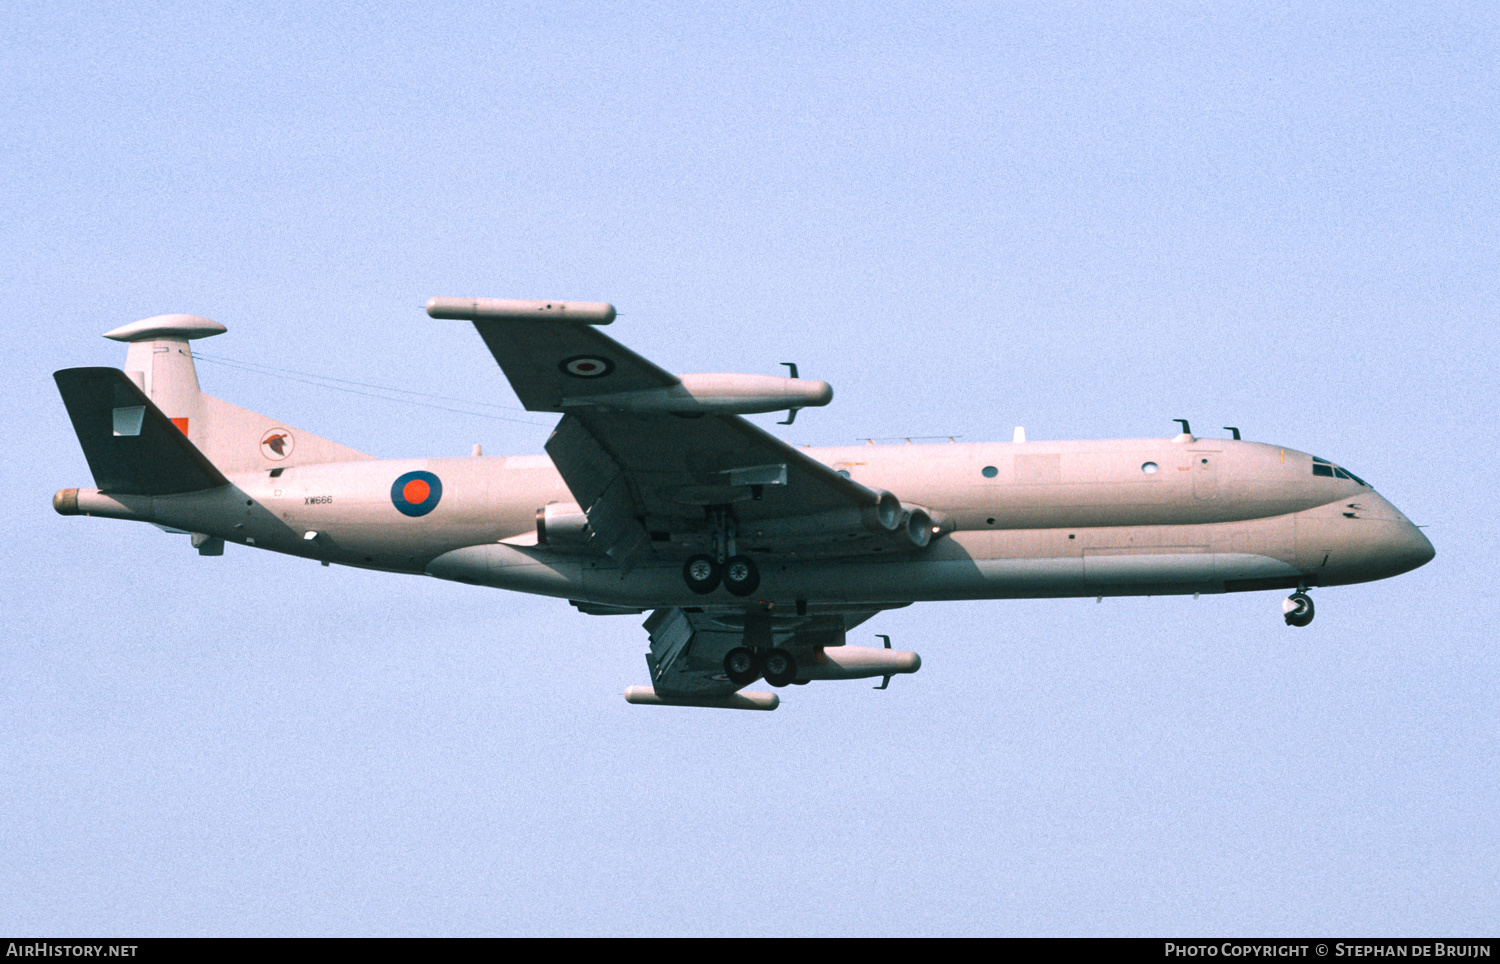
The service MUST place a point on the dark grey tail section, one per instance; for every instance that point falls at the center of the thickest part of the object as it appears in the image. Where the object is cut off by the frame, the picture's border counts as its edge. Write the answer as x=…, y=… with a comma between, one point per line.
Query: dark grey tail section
x=131, y=446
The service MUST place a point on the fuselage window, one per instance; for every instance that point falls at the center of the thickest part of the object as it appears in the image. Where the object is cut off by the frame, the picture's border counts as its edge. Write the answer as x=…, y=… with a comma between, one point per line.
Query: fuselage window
x=989, y=471
x=1150, y=468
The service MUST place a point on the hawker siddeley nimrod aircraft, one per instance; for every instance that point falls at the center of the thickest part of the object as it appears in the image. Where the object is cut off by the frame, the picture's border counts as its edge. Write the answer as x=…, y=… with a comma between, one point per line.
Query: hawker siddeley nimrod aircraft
x=755, y=558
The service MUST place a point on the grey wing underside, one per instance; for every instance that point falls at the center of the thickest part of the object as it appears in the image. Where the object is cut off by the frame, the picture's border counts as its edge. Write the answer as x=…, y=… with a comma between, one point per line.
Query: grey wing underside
x=688, y=646
x=639, y=473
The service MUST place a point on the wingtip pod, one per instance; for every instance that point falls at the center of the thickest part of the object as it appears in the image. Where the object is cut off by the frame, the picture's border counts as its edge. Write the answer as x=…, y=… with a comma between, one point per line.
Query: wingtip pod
x=66, y=502
x=647, y=696
x=510, y=309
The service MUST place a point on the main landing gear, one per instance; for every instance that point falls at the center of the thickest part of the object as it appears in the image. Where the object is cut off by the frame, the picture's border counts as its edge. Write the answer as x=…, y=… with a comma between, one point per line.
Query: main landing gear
x=759, y=656
x=1298, y=608
x=741, y=575
x=704, y=572
x=744, y=666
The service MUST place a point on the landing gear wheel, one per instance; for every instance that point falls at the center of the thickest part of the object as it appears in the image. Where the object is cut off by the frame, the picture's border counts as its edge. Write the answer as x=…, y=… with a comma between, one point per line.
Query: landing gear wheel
x=702, y=574
x=1298, y=609
x=780, y=668
x=742, y=666
x=741, y=575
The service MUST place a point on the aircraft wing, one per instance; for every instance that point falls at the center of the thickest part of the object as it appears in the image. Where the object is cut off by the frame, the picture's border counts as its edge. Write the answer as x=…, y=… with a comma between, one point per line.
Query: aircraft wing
x=550, y=351
x=637, y=474
x=647, y=479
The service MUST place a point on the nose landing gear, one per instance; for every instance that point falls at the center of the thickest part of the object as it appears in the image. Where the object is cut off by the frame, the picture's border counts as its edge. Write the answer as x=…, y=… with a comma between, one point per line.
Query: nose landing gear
x=1298, y=609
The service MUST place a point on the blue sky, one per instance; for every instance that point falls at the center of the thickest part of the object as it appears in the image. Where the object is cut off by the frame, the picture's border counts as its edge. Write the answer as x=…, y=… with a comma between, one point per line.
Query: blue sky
x=1083, y=219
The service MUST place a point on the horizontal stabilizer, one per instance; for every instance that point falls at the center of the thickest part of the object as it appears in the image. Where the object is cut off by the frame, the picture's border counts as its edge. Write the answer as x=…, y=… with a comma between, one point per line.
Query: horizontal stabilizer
x=131, y=446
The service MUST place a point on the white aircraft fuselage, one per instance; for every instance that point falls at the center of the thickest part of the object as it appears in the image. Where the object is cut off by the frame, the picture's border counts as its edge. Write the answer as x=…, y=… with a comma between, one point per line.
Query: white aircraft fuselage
x=756, y=556
x=1054, y=519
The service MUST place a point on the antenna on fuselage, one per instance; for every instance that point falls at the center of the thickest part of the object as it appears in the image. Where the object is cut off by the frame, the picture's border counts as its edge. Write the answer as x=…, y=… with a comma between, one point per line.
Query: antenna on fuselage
x=1231, y=428
x=1187, y=432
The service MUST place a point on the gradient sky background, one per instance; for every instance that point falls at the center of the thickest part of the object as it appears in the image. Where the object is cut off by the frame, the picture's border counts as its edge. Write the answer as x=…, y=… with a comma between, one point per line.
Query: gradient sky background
x=1084, y=219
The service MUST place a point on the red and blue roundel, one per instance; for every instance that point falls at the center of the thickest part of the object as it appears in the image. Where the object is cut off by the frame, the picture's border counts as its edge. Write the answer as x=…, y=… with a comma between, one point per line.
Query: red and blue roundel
x=416, y=493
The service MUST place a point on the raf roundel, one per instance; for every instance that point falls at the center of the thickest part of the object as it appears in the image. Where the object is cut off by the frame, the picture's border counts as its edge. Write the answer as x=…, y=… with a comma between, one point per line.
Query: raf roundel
x=416, y=493
x=586, y=366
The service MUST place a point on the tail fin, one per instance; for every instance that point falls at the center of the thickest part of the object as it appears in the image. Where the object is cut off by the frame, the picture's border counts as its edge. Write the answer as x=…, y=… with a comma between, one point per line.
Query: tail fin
x=131, y=445
x=234, y=439
x=161, y=365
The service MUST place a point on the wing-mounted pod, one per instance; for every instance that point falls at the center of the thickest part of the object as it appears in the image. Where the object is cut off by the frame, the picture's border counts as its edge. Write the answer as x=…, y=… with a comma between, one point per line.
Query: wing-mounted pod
x=718, y=393
x=558, y=363
x=859, y=662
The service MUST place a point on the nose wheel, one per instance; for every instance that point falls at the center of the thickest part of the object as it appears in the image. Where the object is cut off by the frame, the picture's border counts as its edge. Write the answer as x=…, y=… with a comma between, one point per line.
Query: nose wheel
x=1298, y=609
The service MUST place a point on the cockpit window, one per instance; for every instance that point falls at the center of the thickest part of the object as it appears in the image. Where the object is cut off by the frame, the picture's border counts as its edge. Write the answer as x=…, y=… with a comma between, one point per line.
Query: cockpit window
x=1327, y=469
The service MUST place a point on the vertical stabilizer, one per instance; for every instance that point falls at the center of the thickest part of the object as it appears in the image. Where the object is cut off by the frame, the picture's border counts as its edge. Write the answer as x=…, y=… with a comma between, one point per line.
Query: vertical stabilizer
x=161, y=364
x=234, y=439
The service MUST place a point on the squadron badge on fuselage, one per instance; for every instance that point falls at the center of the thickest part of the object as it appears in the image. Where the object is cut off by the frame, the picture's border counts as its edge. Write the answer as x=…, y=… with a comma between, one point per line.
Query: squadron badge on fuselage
x=277, y=444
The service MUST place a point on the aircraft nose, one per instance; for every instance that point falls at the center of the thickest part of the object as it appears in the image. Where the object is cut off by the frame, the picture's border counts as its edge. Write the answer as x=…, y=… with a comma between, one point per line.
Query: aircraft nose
x=1421, y=547
x=1406, y=548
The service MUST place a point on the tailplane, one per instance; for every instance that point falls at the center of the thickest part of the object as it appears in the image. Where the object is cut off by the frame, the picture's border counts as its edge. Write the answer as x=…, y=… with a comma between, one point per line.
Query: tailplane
x=131, y=446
